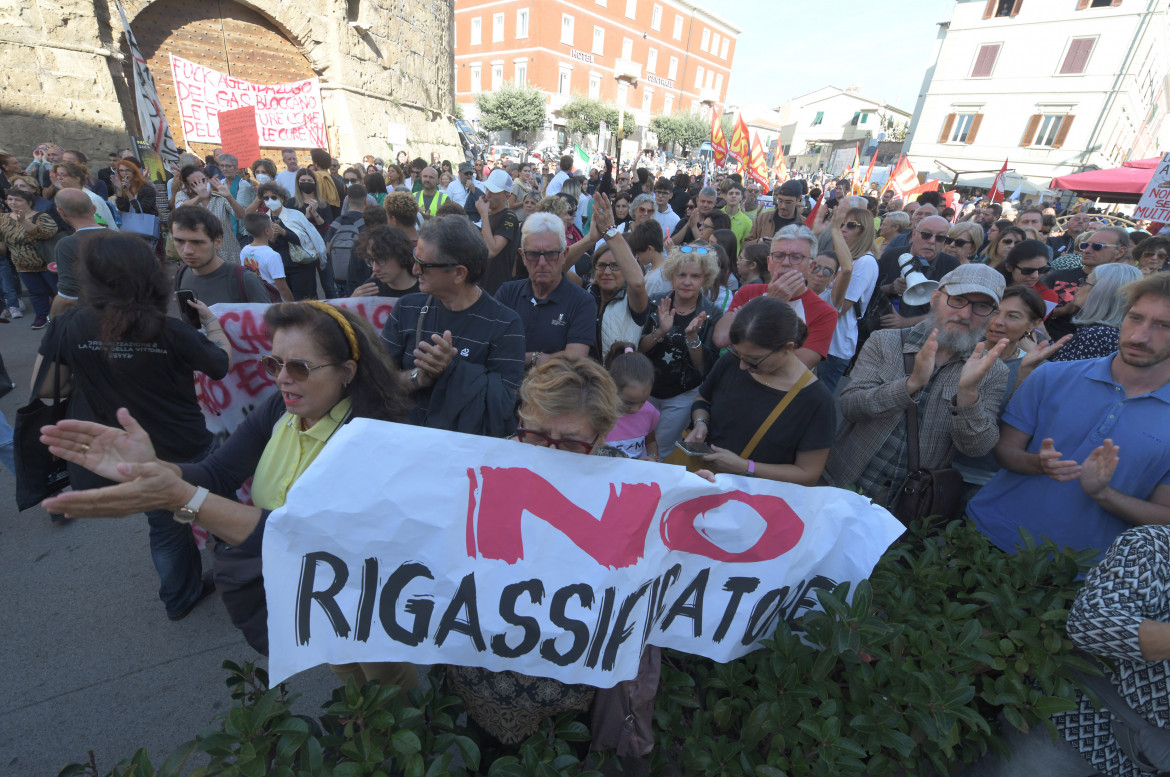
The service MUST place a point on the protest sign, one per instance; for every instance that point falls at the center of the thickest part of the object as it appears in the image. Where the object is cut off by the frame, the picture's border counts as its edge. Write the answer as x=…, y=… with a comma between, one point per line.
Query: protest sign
x=402, y=543
x=225, y=403
x=151, y=160
x=238, y=134
x=287, y=115
x=1155, y=202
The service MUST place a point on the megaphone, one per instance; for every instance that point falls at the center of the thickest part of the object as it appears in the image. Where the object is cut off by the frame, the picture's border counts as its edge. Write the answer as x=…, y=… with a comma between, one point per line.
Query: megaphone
x=918, y=286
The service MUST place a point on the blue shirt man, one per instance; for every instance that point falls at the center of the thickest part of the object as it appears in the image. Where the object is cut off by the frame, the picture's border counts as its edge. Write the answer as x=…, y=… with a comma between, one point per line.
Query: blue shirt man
x=1084, y=444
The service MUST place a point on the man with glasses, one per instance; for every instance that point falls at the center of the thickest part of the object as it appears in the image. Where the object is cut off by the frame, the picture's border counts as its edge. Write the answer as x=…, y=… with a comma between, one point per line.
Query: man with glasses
x=925, y=248
x=1083, y=443
x=1108, y=244
x=923, y=211
x=955, y=386
x=461, y=188
x=467, y=360
x=792, y=252
x=688, y=231
x=751, y=202
x=558, y=316
x=663, y=213
x=786, y=212
x=1065, y=242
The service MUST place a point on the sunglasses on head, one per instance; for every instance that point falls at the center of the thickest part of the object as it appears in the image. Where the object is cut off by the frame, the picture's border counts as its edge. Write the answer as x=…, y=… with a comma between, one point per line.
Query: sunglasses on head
x=694, y=250
x=297, y=369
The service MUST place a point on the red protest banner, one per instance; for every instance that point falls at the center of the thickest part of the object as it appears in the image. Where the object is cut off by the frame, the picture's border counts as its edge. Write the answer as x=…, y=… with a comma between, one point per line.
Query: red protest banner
x=238, y=134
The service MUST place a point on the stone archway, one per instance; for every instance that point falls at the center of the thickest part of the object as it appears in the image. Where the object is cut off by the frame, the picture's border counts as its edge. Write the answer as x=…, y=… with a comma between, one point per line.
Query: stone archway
x=219, y=34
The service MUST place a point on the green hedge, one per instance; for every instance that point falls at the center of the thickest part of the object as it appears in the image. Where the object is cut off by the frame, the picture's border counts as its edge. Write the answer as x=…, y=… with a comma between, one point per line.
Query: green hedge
x=909, y=677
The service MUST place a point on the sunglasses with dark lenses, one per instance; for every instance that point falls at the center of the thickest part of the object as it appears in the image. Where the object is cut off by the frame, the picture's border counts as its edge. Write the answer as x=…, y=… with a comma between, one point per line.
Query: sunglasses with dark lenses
x=297, y=369
x=432, y=265
x=544, y=441
x=1042, y=270
x=954, y=241
x=690, y=206
x=937, y=238
x=1096, y=246
x=824, y=272
x=853, y=225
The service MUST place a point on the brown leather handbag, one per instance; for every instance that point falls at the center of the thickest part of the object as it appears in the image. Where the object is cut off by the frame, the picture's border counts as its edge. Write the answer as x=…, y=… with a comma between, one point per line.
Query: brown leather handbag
x=926, y=493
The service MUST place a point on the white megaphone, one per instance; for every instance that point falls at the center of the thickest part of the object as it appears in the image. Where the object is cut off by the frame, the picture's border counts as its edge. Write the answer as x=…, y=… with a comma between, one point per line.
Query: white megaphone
x=918, y=286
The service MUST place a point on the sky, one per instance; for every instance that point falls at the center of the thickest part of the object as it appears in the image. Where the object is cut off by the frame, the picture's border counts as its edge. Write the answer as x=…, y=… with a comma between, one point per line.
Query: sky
x=790, y=48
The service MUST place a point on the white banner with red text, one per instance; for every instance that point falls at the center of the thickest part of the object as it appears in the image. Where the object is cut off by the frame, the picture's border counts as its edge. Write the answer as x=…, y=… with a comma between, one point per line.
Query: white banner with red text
x=287, y=115
x=225, y=403
x=401, y=543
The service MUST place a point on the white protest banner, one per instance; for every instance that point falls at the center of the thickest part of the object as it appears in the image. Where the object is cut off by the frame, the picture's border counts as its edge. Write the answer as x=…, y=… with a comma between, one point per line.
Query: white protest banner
x=1155, y=202
x=402, y=543
x=287, y=115
x=226, y=402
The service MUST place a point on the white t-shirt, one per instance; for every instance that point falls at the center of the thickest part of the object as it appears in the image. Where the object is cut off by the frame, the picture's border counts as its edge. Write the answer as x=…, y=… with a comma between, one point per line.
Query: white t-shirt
x=263, y=261
x=557, y=182
x=861, y=286
x=667, y=219
x=288, y=180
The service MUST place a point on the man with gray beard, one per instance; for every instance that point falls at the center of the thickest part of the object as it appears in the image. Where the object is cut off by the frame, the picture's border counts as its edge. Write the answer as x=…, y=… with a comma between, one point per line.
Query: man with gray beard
x=956, y=387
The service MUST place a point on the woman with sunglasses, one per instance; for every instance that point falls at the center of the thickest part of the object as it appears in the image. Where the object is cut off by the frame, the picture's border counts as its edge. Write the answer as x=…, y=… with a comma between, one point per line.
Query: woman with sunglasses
x=964, y=241
x=999, y=248
x=329, y=367
x=679, y=338
x=119, y=349
x=1025, y=265
x=733, y=411
x=621, y=210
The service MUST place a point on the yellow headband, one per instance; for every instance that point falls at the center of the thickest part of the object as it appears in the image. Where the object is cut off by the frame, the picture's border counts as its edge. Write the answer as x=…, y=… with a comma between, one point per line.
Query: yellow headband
x=346, y=328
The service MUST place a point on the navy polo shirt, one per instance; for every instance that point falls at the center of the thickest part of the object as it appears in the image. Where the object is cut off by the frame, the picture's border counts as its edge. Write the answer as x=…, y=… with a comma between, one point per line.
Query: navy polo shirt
x=566, y=316
x=1078, y=405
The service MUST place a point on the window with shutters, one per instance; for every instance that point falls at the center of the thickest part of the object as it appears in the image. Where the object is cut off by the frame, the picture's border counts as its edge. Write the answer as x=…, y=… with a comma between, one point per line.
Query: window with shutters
x=723, y=49
x=497, y=75
x=476, y=31
x=627, y=48
x=985, y=60
x=594, y=85
x=699, y=71
x=1002, y=8
x=632, y=9
x=667, y=104
x=521, y=74
x=705, y=45
x=856, y=118
x=564, y=79
x=1077, y=56
x=819, y=118
x=522, y=23
x=1083, y=4
x=672, y=71
x=476, y=84
x=1047, y=130
x=678, y=25
x=598, y=40
x=498, y=28
x=647, y=98
x=652, y=60
x=566, y=29
x=656, y=18
x=960, y=128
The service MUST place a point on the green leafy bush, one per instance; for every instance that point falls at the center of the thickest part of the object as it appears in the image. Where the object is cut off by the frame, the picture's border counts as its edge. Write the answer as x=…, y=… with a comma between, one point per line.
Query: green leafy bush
x=910, y=676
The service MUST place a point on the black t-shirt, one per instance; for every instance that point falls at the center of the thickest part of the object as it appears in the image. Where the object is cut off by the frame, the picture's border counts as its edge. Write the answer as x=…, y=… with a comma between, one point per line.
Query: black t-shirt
x=1065, y=284
x=740, y=405
x=889, y=271
x=155, y=381
x=674, y=372
x=504, y=266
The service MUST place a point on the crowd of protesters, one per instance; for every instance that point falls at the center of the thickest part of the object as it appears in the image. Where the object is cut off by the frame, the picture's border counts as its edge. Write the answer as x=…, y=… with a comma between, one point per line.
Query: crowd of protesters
x=805, y=338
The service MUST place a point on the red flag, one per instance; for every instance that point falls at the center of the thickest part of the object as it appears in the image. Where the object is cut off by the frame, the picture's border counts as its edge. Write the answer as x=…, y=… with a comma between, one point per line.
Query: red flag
x=812, y=217
x=869, y=172
x=758, y=167
x=718, y=142
x=997, y=186
x=740, y=142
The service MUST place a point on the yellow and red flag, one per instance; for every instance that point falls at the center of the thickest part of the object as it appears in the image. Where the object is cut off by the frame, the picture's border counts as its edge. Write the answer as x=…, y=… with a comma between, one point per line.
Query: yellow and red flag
x=718, y=142
x=740, y=142
x=781, y=166
x=757, y=168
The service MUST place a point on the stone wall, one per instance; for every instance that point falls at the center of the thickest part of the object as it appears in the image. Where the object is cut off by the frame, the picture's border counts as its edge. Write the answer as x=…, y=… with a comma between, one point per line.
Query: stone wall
x=65, y=78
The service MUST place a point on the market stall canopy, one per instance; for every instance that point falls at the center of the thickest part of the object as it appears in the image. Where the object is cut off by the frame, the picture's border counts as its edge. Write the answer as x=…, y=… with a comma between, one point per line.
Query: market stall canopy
x=1118, y=184
x=1013, y=181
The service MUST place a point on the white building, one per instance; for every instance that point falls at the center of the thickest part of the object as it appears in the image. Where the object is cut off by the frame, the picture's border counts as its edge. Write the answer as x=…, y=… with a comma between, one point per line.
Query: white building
x=1052, y=86
x=831, y=114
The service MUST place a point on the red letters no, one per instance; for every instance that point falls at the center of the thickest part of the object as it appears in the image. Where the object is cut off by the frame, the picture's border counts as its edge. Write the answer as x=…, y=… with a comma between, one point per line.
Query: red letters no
x=783, y=531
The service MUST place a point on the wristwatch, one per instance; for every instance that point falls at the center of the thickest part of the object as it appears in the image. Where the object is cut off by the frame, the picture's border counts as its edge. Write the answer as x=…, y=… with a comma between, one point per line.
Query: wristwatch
x=612, y=232
x=414, y=377
x=190, y=511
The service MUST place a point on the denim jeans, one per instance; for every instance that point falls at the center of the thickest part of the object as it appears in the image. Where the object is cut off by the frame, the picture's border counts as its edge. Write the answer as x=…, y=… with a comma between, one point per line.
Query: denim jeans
x=675, y=419
x=175, y=556
x=7, y=457
x=328, y=283
x=42, y=287
x=9, y=283
x=831, y=370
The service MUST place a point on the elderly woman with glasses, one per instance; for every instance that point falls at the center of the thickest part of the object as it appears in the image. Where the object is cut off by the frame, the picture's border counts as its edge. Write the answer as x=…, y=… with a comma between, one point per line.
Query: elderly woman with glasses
x=964, y=241
x=1102, y=306
x=679, y=338
x=759, y=373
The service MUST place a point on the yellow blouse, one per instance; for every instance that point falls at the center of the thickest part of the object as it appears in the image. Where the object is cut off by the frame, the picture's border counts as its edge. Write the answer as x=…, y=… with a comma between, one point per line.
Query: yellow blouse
x=289, y=453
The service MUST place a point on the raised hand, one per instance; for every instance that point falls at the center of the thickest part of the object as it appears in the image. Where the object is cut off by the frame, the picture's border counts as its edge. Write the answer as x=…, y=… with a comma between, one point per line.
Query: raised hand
x=1042, y=353
x=978, y=364
x=923, y=364
x=666, y=314
x=98, y=448
x=1055, y=467
x=696, y=322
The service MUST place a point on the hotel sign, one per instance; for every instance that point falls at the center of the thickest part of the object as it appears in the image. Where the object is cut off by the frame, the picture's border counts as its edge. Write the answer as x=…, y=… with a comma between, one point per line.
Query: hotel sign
x=581, y=55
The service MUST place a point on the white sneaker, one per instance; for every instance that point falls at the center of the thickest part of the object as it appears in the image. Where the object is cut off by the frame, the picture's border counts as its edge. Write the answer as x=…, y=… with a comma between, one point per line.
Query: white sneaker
x=15, y=313
x=23, y=304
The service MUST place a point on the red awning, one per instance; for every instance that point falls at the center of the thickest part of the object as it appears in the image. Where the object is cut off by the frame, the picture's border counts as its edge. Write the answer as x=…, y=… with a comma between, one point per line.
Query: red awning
x=1119, y=184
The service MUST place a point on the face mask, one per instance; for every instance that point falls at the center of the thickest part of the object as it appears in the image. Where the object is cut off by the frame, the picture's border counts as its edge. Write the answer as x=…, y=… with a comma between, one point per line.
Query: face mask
x=272, y=204
x=307, y=187
x=263, y=178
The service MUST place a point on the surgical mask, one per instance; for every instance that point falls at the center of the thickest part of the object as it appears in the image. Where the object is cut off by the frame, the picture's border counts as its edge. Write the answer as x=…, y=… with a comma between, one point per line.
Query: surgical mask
x=272, y=203
x=263, y=178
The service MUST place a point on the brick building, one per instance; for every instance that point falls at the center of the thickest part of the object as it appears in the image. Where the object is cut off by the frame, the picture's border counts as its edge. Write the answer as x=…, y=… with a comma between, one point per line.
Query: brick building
x=655, y=57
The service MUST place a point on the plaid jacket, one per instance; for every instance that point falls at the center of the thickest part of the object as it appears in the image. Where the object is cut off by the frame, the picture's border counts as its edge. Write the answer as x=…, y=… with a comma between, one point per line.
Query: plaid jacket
x=875, y=402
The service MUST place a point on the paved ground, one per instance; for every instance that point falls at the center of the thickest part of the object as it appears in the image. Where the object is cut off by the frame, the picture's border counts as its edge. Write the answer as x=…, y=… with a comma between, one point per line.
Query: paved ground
x=89, y=660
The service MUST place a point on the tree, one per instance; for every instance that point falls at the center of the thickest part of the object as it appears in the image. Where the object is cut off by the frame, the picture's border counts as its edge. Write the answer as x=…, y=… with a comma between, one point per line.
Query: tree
x=687, y=130
x=520, y=109
x=583, y=116
x=895, y=130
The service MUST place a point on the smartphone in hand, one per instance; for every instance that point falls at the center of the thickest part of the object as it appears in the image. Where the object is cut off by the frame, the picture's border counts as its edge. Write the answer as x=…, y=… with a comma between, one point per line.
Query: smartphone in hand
x=186, y=312
x=694, y=448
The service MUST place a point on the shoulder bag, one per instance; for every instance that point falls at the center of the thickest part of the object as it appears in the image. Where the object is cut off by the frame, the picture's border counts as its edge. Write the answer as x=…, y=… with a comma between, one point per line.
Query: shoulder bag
x=927, y=493
x=139, y=223
x=40, y=474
